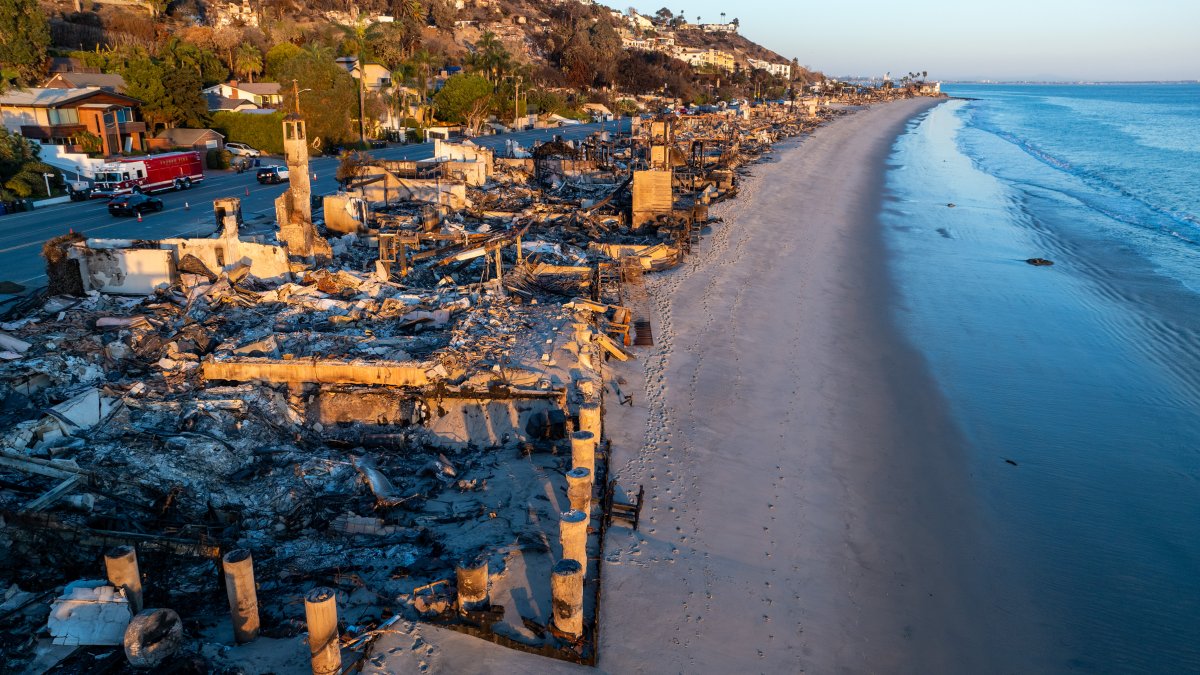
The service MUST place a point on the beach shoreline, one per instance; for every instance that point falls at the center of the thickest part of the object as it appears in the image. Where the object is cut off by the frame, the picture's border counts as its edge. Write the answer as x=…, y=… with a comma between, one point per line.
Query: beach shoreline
x=808, y=507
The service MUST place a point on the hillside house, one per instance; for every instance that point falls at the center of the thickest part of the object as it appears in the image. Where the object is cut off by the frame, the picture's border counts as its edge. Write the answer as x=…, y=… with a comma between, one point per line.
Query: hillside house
x=378, y=77
x=711, y=58
x=783, y=70
x=639, y=22
x=80, y=80
x=261, y=94
x=63, y=116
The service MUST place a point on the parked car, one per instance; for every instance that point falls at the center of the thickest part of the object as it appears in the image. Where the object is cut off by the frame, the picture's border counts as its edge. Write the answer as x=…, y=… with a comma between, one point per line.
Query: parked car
x=135, y=203
x=79, y=191
x=272, y=174
x=377, y=143
x=242, y=150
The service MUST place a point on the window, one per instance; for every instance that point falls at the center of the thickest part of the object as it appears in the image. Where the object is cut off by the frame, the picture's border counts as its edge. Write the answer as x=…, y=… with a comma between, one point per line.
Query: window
x=63, y=116
x=125, y=176
x=139, y=173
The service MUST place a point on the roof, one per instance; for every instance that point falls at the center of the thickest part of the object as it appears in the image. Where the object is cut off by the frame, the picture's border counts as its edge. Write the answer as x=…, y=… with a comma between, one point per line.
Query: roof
x=49, y=98
x=64, y=64
x=108, y=81
x=259, y=88
x=185, y=137
x=218, y=102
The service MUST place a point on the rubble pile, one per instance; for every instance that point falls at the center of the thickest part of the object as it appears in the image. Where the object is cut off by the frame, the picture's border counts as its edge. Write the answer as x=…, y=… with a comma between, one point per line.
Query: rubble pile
x=363, y=420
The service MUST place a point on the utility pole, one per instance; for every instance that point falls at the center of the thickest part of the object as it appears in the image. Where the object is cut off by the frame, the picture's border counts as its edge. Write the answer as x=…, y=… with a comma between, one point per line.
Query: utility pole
x=46, y=177
x=517, y=101
x=362, y=105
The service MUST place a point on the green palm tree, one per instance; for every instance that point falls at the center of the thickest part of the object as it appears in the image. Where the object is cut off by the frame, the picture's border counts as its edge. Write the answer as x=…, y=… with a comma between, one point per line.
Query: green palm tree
x=358, y=33
x=422, y=64
x=249, y=61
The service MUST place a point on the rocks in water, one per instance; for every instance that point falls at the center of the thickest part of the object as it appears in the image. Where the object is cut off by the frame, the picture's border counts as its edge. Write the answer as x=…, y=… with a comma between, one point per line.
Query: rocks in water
x=950, y=205
x=1040, y=262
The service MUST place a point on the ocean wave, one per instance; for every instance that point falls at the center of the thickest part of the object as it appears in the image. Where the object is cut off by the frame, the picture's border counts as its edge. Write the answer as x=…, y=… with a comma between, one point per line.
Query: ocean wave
x=1140, y=210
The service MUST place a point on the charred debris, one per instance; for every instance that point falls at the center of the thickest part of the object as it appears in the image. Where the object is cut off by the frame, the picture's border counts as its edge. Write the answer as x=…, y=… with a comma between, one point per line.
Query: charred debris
x=391, y=413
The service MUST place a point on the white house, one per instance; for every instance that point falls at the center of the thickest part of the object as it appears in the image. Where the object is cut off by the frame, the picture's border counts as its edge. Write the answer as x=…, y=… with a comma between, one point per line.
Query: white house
x=261, y=94
x=639, y=22
x=783, y=70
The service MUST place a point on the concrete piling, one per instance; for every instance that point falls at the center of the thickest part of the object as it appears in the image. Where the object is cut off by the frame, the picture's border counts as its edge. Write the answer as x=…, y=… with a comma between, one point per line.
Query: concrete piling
x=472, y=575
x=243, y=597
x=579, y=489
x=566, y=590
x=320, y=611
x=589, y=418
x=583, y=451
x=121, y=565
x=572, y=531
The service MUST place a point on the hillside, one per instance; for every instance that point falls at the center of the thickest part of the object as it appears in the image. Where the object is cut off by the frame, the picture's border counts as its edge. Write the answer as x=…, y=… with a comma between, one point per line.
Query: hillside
x=418, y=63
x=542, y=34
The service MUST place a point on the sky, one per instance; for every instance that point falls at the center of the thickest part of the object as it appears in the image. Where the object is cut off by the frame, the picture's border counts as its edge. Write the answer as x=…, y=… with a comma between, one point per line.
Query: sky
x=1039, y=40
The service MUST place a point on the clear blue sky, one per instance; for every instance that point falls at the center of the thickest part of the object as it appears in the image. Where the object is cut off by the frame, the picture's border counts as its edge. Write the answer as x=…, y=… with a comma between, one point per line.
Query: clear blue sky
x=967, y=39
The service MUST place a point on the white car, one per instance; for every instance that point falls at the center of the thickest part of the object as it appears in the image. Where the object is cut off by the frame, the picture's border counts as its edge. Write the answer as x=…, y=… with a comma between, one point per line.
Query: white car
x=242, y=150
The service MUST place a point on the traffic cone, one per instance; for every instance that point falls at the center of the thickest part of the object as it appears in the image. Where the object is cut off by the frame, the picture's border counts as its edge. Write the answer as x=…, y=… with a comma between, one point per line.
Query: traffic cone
x=247, y=192
x=139, y=216
x=187, y=207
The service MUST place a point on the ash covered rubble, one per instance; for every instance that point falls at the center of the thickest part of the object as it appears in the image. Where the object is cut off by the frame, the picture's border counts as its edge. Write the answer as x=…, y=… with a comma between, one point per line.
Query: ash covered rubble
x=383, y=406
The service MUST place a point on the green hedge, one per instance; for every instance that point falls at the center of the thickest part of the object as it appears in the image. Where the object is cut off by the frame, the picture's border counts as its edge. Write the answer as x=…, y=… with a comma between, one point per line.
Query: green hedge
x=261, y=132
x=218, y=159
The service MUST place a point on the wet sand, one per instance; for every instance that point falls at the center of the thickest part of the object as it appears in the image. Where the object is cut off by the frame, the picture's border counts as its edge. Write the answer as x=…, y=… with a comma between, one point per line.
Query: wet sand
x=808, y=499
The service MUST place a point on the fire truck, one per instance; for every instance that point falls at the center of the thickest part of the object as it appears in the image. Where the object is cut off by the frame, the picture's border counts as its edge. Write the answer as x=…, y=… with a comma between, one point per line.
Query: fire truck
x=152, y=173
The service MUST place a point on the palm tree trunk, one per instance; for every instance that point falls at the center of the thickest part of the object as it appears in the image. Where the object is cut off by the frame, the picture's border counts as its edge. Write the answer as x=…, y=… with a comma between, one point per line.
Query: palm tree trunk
x=362, y=107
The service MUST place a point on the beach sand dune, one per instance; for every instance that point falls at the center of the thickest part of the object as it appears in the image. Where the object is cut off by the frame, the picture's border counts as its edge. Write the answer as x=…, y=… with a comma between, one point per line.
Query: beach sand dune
x=808, y=506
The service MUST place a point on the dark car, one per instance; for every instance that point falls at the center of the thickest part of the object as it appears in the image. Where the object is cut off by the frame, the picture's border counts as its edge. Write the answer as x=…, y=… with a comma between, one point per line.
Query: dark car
x=377, y=143
x=272, y=174
x=128, y=205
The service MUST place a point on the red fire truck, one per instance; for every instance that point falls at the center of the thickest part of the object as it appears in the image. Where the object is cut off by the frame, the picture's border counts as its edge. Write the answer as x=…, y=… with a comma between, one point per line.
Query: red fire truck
x=152, y=173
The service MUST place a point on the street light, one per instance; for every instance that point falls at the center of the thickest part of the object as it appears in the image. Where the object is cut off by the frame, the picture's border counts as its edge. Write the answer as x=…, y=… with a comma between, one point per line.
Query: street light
x=297, y=93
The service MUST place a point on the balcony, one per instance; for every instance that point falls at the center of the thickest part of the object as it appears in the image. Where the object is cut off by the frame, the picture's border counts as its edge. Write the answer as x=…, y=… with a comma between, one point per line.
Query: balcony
x=45, y=133
x=132, y=127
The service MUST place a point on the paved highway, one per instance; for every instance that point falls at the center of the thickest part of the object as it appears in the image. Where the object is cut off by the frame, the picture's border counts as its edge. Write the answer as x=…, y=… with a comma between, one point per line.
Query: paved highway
x=189, y=213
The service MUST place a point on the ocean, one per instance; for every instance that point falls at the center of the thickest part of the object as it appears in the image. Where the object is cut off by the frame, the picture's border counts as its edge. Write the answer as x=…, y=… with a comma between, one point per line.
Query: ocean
x=1076, y=385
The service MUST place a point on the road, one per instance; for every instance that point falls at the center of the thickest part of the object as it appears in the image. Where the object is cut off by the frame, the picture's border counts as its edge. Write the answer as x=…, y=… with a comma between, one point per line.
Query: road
x=189, y=213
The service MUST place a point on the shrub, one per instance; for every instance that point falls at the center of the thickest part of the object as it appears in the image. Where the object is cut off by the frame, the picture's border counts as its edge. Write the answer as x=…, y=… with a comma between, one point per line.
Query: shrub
x=262, y=132
x=218, y=159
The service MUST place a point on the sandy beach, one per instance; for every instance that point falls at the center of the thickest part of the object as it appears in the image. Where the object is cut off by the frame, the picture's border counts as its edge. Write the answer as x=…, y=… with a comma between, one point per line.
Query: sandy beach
x=808, y=507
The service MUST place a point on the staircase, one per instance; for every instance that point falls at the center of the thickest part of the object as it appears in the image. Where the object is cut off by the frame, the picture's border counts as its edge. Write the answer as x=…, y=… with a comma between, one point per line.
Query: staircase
x=76, y=165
